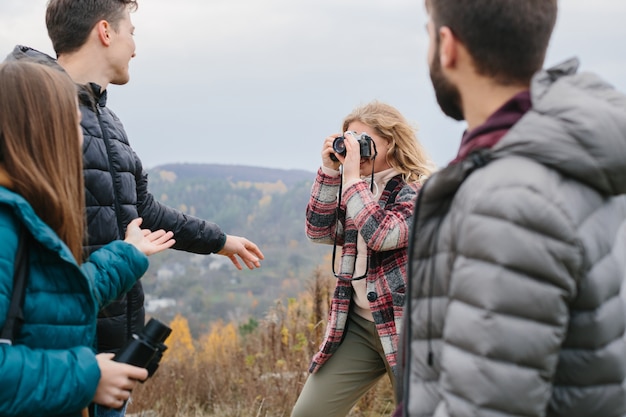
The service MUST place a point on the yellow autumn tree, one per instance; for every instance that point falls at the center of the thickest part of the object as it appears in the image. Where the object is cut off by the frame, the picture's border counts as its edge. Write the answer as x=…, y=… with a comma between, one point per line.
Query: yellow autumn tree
x=219, y=344
x=265, y=200
x=180, y=343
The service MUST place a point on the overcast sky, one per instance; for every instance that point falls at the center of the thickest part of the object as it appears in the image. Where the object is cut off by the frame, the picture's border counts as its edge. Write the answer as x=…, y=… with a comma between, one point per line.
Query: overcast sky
x=263, y=82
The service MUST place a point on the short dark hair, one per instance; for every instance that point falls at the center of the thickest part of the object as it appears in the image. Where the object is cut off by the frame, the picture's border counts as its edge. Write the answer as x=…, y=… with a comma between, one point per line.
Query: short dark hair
x=507, y=39
x=69, y=22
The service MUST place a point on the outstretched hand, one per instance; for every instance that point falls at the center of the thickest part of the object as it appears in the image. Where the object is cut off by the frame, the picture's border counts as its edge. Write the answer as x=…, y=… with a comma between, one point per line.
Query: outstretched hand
x=147, y=241
x=249, y=253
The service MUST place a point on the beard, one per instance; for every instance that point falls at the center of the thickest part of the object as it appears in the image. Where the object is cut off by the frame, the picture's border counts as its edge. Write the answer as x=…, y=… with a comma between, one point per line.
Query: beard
x=447, y=94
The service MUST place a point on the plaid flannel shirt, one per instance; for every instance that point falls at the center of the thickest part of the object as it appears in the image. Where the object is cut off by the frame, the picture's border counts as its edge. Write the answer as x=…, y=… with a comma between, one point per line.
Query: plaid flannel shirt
x=385, y=229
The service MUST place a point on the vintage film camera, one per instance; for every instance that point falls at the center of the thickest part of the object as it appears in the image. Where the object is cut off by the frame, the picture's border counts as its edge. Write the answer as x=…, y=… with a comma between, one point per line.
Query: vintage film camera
x=339, y=147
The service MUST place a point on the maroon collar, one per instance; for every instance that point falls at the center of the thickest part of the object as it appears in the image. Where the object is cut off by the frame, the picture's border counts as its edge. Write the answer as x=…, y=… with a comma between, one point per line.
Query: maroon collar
x=496, y=126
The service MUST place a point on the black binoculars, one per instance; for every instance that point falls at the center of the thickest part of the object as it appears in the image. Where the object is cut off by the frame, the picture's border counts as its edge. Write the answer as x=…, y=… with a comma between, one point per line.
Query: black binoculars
x=146, y=348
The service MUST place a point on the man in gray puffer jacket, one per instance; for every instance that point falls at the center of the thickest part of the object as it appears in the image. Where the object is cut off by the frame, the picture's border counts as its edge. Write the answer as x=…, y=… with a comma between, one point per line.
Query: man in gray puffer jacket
x=514, y=304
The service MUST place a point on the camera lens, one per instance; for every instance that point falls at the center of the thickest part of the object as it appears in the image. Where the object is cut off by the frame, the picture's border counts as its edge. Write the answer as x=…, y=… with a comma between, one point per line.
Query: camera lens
x=339, y=147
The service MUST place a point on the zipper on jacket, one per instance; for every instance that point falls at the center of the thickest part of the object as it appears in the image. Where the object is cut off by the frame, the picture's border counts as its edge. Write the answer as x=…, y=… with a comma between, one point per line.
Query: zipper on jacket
x=120, y=226
x=407, y=332
x=113, y=172
x=474, y=160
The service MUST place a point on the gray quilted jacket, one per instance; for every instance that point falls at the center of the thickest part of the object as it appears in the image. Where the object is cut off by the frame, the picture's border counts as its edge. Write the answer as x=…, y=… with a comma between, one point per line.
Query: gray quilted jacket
x=515, y=274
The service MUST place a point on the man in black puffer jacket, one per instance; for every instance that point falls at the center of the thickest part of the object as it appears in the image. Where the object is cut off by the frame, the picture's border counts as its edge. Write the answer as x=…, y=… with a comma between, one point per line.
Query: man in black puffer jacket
x=94, y=43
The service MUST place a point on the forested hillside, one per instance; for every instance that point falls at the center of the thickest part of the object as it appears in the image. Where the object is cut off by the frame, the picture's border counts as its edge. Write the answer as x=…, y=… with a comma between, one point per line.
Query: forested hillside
x=265, y=205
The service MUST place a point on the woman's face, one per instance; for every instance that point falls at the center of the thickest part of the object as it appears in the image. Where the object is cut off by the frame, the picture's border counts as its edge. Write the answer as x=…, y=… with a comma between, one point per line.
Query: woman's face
x=380, y=163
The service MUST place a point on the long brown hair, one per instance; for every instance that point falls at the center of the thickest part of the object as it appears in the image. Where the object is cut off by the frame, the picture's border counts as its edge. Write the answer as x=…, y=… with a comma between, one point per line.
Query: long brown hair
x=40, y=146
x=405, y=153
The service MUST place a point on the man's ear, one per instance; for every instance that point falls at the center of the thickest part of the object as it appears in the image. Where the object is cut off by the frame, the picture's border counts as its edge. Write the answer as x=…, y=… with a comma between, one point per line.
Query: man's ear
x=103, y=28
x=448, y=47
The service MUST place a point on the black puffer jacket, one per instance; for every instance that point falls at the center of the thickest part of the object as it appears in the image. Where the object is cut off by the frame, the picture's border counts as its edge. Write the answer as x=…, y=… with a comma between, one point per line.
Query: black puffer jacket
x=116, y=190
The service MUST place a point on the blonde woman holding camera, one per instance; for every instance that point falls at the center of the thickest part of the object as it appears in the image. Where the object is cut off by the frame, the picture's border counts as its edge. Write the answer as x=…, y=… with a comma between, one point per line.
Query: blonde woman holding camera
x=362, y=200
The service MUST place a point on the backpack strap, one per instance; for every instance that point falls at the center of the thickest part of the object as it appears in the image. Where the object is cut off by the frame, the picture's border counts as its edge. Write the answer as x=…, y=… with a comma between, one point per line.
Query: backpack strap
x=391, y=189
x=15, y=315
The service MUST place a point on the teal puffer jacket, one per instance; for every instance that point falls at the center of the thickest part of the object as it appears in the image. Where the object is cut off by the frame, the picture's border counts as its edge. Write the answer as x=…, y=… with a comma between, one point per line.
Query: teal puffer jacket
x=51, y=369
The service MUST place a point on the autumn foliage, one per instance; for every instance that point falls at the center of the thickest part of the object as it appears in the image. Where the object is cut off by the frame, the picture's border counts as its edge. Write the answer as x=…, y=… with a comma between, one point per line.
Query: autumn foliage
x=255, y=369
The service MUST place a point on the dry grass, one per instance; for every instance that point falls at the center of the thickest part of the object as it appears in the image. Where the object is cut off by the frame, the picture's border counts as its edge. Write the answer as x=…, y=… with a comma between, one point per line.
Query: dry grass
x=255, y=369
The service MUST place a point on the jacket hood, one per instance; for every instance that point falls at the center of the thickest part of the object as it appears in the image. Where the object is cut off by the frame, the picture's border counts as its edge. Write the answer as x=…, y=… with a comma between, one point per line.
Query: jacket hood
x=577, y=126
x=21, y=52
x=89, y=94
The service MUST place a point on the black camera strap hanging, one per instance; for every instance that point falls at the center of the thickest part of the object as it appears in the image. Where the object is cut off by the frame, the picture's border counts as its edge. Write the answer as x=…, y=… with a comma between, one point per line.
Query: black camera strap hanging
x=339, y=213
x=15, y=315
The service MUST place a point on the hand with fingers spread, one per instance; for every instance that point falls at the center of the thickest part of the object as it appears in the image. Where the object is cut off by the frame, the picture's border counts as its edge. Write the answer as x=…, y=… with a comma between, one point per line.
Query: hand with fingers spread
x=147, y=241
x=249, y=252
x=117, y=380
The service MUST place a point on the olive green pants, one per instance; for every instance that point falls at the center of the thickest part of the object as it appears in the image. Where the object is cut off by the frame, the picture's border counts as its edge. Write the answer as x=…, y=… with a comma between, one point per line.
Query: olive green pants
x=349, y=373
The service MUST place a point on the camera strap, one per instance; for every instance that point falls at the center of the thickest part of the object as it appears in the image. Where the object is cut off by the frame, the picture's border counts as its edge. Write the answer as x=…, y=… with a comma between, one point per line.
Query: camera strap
x=15, y=315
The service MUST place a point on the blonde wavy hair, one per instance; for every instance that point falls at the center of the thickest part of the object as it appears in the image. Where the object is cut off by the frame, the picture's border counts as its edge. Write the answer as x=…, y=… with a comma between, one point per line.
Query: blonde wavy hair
x=405, y=153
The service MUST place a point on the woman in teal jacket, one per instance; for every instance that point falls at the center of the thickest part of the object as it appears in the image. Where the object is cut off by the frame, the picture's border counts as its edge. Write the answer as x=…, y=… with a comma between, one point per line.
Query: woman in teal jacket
x=51, y=368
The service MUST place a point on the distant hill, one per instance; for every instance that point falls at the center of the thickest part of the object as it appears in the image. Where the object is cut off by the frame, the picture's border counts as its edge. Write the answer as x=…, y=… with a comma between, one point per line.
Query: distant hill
x=263, y=204
x=236, y=173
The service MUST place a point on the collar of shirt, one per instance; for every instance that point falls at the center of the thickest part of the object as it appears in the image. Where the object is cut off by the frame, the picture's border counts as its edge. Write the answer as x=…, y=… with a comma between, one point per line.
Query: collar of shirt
x=496, y=126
